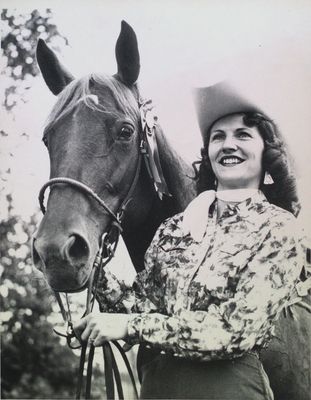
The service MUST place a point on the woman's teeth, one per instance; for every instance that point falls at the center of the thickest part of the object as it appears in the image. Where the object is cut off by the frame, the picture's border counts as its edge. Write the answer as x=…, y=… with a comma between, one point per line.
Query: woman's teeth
x=231, y=160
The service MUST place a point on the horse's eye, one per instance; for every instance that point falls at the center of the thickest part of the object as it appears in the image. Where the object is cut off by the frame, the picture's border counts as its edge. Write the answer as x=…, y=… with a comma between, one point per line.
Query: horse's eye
x=126, y=132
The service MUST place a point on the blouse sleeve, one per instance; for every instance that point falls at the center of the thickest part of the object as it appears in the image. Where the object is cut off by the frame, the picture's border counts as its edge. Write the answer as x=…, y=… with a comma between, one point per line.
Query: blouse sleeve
x=146, y=293
x=303, y=287
x=236, y=325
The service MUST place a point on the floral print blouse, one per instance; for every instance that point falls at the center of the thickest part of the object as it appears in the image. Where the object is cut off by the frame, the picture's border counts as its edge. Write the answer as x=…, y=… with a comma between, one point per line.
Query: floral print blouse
x=217, y=298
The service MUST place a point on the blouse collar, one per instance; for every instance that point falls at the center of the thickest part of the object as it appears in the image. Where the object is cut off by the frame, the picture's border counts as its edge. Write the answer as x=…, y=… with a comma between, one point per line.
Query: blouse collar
x=255, y=200
x=196, y=215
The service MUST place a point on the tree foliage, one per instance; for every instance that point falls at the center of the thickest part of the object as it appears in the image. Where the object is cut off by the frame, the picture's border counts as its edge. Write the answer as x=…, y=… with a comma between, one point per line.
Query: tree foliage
x=34, y=362
x=21, y=33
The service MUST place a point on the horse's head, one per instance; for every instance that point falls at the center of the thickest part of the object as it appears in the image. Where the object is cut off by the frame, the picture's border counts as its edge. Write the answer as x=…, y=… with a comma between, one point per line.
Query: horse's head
x=92, y=136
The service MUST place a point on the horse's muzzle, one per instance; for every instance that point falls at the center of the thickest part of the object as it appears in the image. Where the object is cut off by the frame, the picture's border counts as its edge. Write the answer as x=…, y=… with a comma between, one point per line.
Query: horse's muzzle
x=65, y=263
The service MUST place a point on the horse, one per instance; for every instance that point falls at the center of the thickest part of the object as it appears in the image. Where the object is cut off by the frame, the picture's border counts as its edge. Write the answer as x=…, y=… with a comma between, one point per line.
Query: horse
x=93, y=137
x=98, y=145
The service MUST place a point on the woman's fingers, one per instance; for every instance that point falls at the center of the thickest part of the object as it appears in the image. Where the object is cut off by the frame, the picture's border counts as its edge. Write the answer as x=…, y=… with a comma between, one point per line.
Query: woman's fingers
x=99, y=340
x=79, y=327
x=88, y=328
x=100, y=327
x=87, y=332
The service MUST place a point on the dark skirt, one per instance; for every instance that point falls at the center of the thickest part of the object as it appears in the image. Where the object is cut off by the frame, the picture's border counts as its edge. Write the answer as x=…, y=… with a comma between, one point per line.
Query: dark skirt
x=168, y=377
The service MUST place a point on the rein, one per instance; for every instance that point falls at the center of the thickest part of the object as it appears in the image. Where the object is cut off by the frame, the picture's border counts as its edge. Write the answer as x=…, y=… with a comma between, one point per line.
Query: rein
x=109, y=240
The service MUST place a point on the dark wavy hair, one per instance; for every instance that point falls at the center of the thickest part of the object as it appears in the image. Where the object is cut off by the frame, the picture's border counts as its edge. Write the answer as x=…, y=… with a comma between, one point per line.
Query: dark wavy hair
x=275, y=160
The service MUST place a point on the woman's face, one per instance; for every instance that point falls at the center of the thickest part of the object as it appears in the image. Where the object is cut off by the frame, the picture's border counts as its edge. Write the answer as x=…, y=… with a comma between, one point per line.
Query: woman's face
x=235, y=152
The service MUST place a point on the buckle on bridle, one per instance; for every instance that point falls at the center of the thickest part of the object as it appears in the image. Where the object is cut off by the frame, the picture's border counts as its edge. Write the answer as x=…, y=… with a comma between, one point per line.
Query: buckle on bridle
x=69, y=336
x=107, y=247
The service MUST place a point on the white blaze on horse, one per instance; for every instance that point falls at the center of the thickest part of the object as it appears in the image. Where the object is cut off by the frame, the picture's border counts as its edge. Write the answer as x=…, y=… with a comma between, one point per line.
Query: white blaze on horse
x=94, y=137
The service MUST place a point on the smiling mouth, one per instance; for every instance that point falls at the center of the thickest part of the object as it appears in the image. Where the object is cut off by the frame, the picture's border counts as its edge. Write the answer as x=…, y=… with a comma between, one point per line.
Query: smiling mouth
x=230, y=160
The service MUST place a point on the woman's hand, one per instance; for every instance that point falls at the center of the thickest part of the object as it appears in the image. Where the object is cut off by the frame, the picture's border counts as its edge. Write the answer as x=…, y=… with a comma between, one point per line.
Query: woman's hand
x=98, y=328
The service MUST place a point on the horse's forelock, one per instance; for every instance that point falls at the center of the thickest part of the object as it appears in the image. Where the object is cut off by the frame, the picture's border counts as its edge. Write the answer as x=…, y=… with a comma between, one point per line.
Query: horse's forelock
x=80, y=90
x=123, y=96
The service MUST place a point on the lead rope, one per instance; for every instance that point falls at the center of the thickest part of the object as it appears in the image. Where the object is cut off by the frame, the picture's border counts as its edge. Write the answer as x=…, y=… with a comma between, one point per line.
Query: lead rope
x=112, y=374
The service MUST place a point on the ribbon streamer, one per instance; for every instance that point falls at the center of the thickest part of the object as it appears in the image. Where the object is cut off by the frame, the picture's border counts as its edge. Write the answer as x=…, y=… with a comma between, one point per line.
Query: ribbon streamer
x=149, y=123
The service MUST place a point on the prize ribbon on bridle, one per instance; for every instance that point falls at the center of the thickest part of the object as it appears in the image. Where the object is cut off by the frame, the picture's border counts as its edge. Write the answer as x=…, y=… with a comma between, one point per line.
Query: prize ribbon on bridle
x=149, y=123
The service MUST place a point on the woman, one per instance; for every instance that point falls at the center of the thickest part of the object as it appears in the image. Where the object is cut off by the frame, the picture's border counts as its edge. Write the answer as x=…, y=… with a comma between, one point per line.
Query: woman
x=218, y=274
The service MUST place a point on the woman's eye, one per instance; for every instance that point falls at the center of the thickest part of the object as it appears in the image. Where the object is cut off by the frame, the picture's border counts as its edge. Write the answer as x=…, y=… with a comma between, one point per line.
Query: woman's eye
x=217, y=136
x=126, y=132
x=244, y=135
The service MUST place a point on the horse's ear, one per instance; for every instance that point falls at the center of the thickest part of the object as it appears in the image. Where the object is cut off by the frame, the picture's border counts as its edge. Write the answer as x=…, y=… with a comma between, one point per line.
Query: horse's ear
x=54, y=73
x=127, y=55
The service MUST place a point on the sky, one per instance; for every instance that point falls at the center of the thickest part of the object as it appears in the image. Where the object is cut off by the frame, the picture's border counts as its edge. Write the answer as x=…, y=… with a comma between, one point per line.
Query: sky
x=262, y=45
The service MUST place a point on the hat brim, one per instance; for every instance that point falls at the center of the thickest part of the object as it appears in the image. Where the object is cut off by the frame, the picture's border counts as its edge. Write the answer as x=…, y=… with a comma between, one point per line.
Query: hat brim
x=214, y=102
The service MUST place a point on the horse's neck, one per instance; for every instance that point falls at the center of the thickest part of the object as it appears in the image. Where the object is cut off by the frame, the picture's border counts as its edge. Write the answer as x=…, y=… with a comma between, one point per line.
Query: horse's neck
x=138, y=233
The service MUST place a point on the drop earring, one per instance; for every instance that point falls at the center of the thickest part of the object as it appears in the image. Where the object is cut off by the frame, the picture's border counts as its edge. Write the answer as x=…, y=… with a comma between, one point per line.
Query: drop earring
x=268, y=180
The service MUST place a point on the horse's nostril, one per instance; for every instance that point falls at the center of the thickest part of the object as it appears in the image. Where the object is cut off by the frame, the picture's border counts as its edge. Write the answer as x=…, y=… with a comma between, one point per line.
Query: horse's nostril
x=77, y=248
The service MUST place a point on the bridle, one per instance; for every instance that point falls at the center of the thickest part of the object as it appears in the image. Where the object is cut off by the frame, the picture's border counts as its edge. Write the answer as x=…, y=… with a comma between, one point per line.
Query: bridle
x=108, y=244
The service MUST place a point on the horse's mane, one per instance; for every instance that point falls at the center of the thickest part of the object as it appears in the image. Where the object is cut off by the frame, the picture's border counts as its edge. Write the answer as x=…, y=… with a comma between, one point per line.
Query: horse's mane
x=80, y=90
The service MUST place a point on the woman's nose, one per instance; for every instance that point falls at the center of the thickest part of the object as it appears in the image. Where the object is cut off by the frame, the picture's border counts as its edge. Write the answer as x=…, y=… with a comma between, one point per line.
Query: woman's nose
x=229, y=144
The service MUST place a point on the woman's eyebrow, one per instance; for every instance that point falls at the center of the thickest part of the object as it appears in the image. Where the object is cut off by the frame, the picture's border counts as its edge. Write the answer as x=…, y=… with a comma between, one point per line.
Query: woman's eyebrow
x=243, y=129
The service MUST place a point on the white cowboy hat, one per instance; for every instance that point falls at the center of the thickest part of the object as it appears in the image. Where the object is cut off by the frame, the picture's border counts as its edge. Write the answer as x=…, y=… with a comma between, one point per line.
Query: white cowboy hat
x=216, y=101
